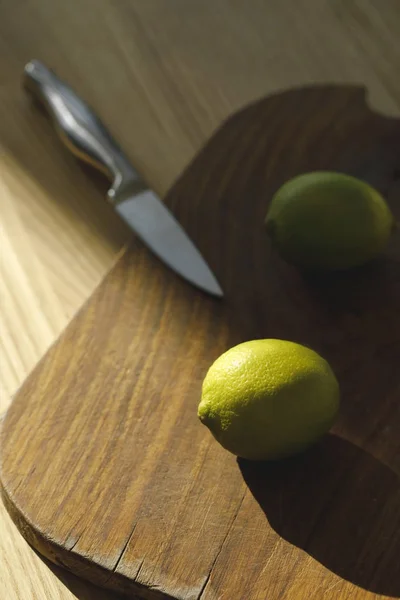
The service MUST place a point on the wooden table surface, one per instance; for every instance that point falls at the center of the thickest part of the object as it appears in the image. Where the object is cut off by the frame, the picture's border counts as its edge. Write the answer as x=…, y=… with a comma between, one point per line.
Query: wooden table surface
x=163, y=75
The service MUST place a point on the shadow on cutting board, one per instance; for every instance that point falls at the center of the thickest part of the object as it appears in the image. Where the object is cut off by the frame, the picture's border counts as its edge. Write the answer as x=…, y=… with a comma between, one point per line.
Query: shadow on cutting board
x=340, y=505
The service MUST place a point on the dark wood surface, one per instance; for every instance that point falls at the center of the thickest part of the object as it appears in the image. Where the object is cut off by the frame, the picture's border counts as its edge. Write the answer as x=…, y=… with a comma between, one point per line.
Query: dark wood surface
x=105, y=467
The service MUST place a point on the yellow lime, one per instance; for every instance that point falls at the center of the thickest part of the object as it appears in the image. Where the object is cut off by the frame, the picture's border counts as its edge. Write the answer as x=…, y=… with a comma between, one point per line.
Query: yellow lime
x=326, y=220
x=267, y=399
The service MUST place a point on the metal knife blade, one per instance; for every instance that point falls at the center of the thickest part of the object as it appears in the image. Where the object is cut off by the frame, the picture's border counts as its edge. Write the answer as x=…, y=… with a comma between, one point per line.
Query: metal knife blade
x=158, y=228
x=84, y=134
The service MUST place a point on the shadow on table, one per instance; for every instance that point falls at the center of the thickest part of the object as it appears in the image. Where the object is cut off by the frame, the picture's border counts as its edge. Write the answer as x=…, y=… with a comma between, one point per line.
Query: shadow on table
x=34, y=151
x=340, y=505
x=81, y=589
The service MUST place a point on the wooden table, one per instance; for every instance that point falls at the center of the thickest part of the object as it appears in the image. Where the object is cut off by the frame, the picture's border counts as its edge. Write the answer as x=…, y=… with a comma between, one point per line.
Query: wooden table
x=163, y=75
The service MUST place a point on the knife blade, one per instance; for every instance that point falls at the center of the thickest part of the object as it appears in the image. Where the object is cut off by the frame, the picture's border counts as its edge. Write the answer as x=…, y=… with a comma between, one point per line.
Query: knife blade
x=86, y=136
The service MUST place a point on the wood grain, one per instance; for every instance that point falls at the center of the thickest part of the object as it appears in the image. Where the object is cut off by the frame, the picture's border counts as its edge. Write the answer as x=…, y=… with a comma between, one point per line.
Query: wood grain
x=105, y=467
x=163, y=76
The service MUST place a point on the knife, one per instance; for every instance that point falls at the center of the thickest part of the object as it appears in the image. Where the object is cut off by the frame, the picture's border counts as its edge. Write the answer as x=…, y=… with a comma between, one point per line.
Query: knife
x=84, y=134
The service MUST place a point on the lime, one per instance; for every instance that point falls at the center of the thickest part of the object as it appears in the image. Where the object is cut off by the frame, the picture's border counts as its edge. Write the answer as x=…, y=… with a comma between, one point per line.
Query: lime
x=325, y=220
x=268, y=399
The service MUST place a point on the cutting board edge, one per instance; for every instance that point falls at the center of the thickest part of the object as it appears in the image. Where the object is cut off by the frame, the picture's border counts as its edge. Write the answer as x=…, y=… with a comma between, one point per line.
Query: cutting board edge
x=68, y=560
x=51, y=549
x=25, y=383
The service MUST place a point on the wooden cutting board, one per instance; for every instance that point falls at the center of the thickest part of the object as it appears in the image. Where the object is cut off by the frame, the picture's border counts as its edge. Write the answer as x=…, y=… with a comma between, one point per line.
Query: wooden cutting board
x=106, y=469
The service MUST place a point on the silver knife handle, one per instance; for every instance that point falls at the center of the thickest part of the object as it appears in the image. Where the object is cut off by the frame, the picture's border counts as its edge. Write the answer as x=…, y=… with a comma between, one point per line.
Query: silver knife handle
x=79, y=128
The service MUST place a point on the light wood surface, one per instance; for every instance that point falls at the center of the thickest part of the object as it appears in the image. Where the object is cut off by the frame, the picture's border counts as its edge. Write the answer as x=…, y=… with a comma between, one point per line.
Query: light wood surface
x=163, y=76
x=106, y=468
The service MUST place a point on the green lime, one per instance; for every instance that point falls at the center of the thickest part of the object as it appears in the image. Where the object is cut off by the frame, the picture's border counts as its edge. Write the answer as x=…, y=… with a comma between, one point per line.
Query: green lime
x=326, y=220
x=267, y=399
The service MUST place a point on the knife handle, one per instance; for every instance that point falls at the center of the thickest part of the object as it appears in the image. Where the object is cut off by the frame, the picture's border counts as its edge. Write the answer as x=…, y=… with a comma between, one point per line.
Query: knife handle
x=80, y=129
